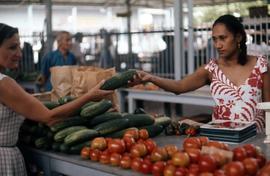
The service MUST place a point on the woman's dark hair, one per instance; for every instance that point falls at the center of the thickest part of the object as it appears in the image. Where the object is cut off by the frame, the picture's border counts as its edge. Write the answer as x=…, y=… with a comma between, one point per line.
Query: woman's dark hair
x=6, y=32
x=235, y=27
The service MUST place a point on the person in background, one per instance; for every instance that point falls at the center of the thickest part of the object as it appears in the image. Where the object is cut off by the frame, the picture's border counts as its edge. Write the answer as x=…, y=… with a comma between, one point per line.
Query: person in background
x=238, y=82
x=16, y=105
x=76, y=49
x=60, y=57
x=106, y=60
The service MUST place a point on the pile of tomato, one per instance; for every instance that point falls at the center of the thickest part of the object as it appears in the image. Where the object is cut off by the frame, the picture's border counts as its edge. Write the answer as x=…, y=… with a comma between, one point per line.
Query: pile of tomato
x=138, y=152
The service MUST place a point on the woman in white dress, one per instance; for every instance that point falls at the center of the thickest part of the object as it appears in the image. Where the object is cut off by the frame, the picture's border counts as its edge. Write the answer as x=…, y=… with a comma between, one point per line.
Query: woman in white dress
x=16, y=104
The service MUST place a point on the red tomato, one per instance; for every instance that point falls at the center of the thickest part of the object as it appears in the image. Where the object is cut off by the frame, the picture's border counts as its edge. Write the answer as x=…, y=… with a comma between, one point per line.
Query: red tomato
x=150, y=145
x=169, y=162
x=146, y=167
x=180, y=159
x=203, y=139
x=239, y=154
x=169, y=170
x=138, y=150
x=171, y=149
x=140, y=141
x=108, y=140
x=94, y=155
x=194, y=168
x=234, y=168
x=104, y=158
x=265, y=171
x=85, y=152
x=159, y=154
x=251, y=166
x=192, y=142
x=115, y=159
x=99, y=143
x=125, y=162
x=219, y=173
x=180, y=171
x=261, y=160
x=143, y=133
x=126, y=154
x=129, y=142
x=206, y=174
x=217, y=144
x=207, y=163
x=220, y=159
x=136, y=164
x=192, y=174
x=158, y=168
x=194, y=154
x=147, y=157
x=251, y=150
x=116, y=146
x=134, y=133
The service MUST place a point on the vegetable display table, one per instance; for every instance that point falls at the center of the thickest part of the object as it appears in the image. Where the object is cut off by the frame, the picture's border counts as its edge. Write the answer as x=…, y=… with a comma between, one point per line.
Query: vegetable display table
x=73, y=165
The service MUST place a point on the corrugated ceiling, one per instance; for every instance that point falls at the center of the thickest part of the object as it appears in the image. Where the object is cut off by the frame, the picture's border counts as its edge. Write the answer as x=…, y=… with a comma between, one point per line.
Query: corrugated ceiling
x=108, y=3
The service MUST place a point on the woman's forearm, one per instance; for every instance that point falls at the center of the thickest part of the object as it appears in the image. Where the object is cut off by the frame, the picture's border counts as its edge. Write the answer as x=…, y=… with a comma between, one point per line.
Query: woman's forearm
x=167, y=84
x=68, y=109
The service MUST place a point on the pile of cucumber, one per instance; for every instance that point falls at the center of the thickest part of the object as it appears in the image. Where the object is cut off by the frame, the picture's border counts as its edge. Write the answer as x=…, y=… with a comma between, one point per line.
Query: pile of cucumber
x=91, y=120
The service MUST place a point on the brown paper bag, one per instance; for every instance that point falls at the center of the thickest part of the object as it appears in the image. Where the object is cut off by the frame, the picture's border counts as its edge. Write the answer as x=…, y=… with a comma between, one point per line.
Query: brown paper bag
x=77, y=80
x=85, y=79
x=61, y=80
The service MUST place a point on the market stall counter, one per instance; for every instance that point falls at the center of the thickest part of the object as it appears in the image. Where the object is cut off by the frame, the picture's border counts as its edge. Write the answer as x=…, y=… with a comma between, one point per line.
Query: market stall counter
x=53, y=163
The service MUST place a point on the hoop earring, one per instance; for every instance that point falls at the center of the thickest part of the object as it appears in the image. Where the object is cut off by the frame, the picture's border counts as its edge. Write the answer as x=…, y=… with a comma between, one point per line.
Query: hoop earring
x=239, y=46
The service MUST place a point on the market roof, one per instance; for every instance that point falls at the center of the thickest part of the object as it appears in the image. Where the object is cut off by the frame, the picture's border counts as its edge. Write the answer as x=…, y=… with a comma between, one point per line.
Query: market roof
x=109, y=3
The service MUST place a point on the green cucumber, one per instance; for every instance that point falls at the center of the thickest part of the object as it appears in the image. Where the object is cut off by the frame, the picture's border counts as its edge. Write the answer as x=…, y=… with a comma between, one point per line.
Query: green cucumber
x=64, y=148
x=96, y=109
x=76, y=149
x=41, y=142
x=65, y=99
x=56, y=146
x=80, y=136
x=153, y=130
x=138, y=120
x=120, y=134
x=50, y=104
x=25, y=138
x=118, y=80
x=163, y=120
x=111, y=126
x=60, y=135
x=68, y=122
x=105, y=117
x=87, y=104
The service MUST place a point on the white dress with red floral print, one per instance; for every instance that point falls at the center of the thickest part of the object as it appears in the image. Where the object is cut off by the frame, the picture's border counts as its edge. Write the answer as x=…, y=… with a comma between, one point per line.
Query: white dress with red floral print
x=238, y=103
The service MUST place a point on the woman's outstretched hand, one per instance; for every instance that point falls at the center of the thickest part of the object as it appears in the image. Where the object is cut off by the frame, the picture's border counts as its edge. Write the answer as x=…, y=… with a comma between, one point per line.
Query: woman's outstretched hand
x=139, y=78
x=97, y=94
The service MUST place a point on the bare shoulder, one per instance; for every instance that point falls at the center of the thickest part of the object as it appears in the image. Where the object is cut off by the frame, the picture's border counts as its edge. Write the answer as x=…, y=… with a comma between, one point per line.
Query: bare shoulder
x=9, y=86
x=5, y=83
x=252, y=59
x=202, y=70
